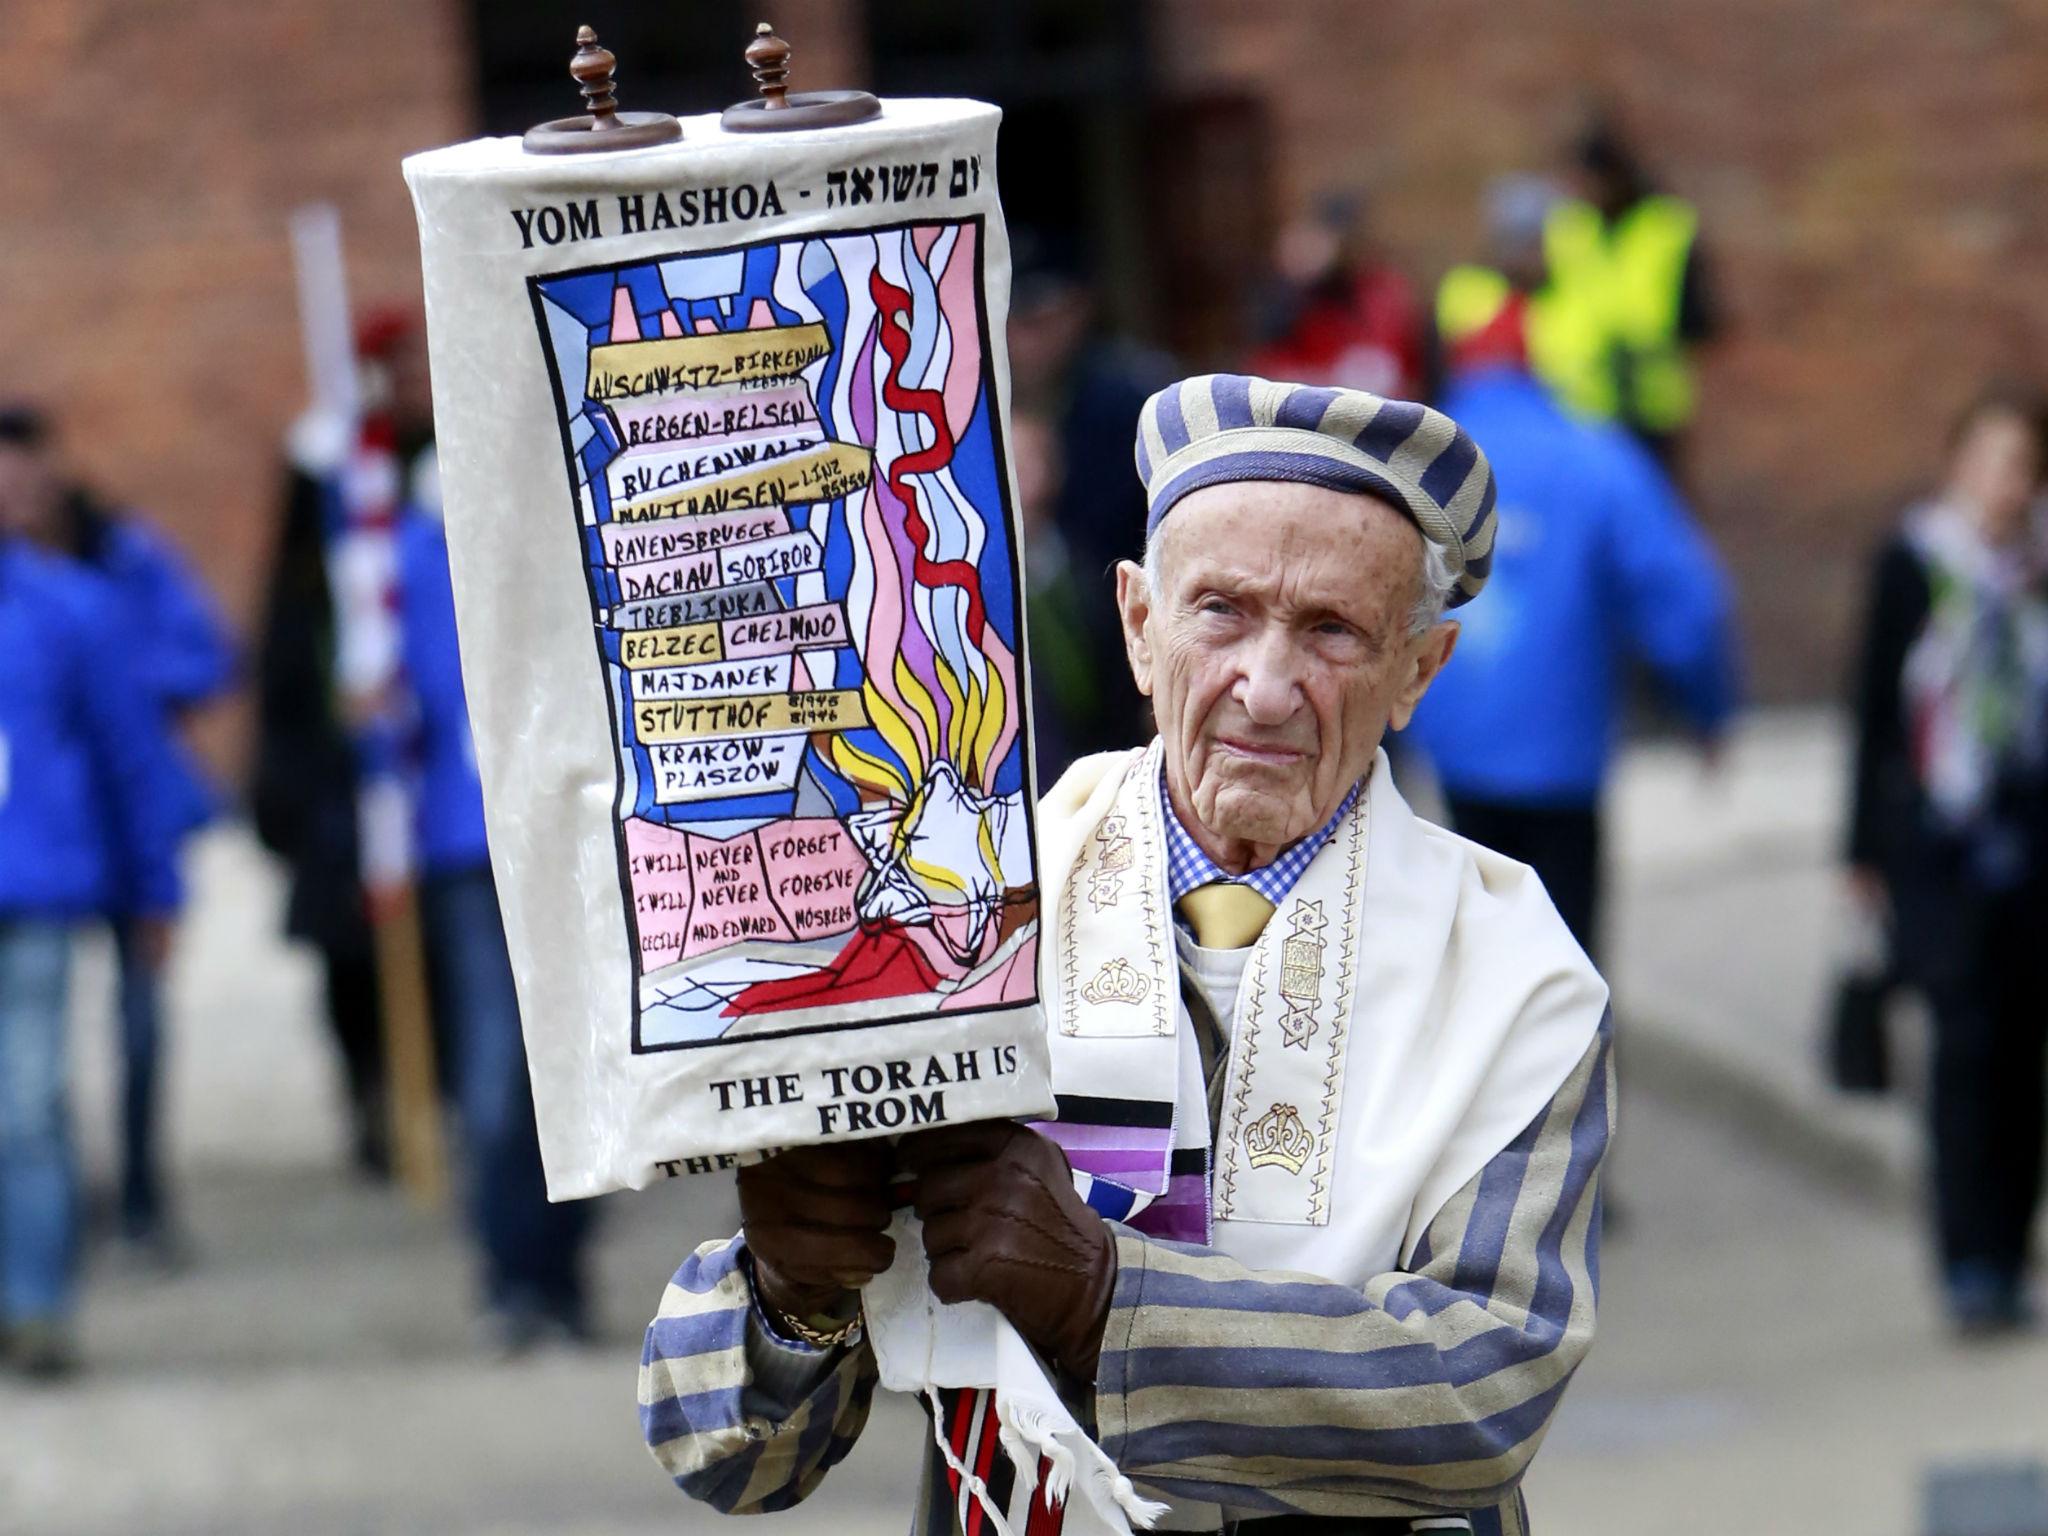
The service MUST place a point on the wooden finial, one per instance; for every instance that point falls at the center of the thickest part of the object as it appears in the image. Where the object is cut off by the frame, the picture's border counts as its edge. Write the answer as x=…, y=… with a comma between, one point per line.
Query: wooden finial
x=775, y=110
x=603, y=126
x=768, y=57
x=592, y=69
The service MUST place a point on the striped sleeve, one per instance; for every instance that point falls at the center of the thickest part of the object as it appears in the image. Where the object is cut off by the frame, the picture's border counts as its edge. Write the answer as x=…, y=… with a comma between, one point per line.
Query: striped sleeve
x=1426, y=1391
x=722, y=1434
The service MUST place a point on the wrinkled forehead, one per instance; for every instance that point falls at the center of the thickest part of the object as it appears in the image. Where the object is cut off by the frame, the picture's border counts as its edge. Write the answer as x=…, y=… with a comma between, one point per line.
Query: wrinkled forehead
x=1338, y=549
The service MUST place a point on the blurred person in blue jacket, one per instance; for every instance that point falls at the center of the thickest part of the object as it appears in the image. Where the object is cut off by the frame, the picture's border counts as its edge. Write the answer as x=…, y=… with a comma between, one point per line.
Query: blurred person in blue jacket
x=1596, y=563
x=184, y=658
x=84, y=826
x=531, y=1251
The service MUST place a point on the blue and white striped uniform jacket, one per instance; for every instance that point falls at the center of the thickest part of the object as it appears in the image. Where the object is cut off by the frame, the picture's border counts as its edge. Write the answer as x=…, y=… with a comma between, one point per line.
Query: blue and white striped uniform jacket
x=1426, y=1392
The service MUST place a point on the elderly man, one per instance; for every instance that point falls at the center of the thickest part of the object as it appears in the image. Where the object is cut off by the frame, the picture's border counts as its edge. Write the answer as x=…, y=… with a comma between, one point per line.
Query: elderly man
x=1315, y=1232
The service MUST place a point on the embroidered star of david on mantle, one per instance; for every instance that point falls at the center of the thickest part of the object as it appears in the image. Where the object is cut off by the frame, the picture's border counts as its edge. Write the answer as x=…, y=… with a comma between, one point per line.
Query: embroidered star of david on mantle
x=1301, y=973
x=1116, y=854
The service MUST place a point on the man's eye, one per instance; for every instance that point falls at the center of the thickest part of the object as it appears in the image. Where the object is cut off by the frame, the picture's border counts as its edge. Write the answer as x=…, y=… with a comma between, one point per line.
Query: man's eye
x=1335, y=628
x=1216, y=605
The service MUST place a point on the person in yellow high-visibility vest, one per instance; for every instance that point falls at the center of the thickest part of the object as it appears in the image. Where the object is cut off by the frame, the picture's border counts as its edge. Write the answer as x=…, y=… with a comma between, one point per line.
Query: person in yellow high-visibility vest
x=1625, y=268
x=1564, y=337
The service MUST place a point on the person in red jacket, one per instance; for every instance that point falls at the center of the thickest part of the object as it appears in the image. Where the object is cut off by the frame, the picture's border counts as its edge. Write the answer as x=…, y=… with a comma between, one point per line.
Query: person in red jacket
x=1337, y=313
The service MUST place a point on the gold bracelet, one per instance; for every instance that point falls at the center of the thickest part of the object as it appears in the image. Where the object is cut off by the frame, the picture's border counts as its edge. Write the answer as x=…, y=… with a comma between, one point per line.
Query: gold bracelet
x=818, y=1338
x=787, y=1327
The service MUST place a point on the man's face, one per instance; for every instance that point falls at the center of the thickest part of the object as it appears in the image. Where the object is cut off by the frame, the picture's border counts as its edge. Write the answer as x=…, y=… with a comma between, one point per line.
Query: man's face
x=30, y=494
x=1035, y=456
x=1996, y=472
x=1043, y=339
x=1276, y=653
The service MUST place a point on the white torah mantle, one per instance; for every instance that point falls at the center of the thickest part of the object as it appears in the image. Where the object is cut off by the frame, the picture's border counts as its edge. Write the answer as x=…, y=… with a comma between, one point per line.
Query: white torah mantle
x=722, y=432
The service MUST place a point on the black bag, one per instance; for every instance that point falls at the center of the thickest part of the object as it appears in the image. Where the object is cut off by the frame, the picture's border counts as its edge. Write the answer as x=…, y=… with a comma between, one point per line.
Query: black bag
x=1859, y=1042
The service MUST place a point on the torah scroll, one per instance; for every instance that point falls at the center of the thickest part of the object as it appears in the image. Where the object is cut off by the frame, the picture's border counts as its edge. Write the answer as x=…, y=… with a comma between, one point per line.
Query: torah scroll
x=722, y=441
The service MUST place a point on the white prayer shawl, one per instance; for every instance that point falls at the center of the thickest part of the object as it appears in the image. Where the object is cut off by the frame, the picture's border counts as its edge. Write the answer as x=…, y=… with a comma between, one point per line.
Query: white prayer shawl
x=1412, y=1005
x=1414, y=1001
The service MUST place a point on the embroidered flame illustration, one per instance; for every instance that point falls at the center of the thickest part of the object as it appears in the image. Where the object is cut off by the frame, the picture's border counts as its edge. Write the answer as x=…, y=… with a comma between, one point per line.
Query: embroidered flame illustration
x=941, y=687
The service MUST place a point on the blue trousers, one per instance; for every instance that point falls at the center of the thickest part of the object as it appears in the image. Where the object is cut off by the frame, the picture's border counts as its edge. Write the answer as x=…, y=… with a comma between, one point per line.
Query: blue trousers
x=141, y=1073
x=38, y=1166
x=532, y=1251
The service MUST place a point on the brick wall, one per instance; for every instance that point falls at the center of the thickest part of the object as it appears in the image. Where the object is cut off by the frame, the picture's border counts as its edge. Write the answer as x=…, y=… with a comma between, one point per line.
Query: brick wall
x=1871, y=179
x=154, y=152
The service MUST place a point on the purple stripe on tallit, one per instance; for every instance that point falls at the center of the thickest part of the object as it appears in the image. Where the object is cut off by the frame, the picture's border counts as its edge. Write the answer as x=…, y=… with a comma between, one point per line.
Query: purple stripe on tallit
x=1119, y=1162
x=1130, y=1155
x=1073, y=1134
x=1181, y=1215
x=1186, y=1189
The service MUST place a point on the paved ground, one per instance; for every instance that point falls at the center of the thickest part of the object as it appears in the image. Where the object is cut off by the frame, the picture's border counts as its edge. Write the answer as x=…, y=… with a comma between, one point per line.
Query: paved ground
x=1767, y=1364
x=1768, y=1360
x=1725, y=925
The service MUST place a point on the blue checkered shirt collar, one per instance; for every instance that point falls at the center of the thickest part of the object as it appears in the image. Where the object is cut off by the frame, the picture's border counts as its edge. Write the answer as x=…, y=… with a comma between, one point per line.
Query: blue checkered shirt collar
x=1188, y=867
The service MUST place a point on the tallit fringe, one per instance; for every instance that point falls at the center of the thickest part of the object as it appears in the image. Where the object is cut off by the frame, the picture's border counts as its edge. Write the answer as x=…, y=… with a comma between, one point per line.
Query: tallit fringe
x=1025, y=1436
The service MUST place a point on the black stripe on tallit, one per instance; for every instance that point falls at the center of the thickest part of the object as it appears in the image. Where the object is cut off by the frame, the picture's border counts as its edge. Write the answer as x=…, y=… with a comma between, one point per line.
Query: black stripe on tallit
x=1143, y=1113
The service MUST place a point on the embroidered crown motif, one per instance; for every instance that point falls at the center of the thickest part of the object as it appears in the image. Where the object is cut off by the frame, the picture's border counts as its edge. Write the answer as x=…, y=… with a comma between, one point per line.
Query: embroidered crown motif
x=1279, y=1139
x=1118, y=981
x=1116, y=854
x=1301, y=973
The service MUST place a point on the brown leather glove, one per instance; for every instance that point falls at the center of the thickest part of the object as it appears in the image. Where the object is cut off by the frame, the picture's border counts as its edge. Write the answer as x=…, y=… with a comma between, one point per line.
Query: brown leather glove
x=817, y=1225
x=1003, y=1224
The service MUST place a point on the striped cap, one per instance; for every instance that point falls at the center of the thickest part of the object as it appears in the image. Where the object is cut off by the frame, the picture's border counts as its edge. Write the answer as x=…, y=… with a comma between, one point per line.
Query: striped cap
x=1222, y=427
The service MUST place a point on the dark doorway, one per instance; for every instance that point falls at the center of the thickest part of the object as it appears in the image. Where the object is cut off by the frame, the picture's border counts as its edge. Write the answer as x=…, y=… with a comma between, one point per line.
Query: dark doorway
x=1071, y=78
x=1163, y=196
x=679, y=58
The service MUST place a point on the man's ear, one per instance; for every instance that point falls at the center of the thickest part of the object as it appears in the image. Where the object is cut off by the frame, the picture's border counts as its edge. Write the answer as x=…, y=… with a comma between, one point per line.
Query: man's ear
x=1133, y=609
x=1425, y=661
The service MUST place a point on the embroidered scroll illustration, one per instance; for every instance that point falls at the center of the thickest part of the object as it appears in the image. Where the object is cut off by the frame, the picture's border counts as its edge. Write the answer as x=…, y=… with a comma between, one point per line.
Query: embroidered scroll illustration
x=804, y=586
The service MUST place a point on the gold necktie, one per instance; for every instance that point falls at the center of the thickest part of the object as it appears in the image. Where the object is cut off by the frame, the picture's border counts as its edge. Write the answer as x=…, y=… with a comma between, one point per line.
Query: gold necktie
x=1225, y=915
